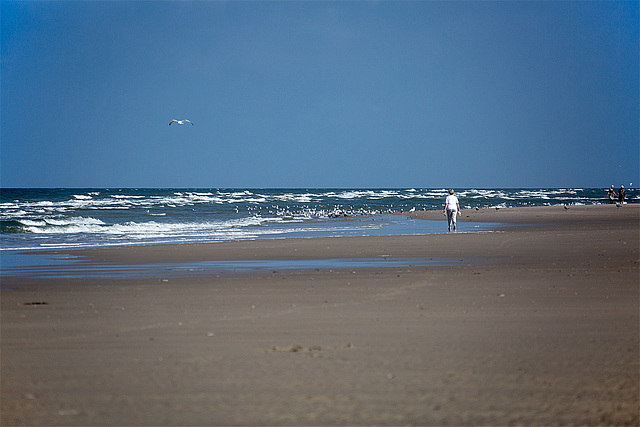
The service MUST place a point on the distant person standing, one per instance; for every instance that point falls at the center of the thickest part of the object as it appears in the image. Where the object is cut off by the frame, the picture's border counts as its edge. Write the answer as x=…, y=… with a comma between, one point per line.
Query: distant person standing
x=621, y=195
x=611, y=194
x=451, y=207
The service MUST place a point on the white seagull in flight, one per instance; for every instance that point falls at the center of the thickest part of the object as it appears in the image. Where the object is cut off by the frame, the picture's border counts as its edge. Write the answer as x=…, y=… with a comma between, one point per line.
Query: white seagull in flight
x=180, y=122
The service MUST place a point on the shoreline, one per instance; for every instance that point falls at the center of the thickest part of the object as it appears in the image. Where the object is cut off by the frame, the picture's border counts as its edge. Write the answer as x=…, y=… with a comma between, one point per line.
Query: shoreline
x=540, y=215
x=501, y=219
x=546, y=333
x=439, y=244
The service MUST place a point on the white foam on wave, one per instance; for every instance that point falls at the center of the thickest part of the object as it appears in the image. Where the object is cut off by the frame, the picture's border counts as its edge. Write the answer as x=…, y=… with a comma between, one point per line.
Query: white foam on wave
x=72, y=225
x=298, y=198
x=126, y=196
x=362, y=194
x=61, y=221
x=7, y=215
x=139, y=229
x=40, y=203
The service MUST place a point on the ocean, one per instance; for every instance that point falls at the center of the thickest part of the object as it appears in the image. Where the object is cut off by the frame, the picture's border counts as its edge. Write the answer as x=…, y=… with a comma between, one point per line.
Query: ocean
x=36, y=219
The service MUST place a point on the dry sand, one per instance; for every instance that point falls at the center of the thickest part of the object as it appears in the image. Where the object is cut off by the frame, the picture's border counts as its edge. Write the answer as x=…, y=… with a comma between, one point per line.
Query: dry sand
x=543, y=331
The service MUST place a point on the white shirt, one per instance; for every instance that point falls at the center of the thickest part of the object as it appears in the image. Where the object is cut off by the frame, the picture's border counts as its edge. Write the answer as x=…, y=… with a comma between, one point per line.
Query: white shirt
x=451, y=203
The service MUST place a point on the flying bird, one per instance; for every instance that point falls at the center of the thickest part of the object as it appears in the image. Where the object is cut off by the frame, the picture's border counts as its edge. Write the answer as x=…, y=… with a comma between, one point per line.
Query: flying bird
x=180, y=122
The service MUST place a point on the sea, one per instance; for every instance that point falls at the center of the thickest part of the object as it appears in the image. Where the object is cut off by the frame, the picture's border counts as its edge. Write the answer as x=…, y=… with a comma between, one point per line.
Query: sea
x=37, y=219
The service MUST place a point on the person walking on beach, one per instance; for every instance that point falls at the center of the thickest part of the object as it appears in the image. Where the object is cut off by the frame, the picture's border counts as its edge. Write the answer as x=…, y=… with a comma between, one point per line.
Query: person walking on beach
x=451, y=207
x=621, y=195
x=611, y=194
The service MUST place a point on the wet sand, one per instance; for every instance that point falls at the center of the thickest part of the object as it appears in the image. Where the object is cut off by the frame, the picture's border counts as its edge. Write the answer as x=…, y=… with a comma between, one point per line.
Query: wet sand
x=541, y=327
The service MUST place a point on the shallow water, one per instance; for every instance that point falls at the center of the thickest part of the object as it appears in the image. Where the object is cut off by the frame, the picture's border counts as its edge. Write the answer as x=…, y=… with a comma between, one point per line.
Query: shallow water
x=44, y=264
x=50, y=266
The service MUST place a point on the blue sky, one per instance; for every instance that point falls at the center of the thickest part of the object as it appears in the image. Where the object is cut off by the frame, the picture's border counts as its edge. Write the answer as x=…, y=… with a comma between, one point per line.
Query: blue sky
x=320, y=94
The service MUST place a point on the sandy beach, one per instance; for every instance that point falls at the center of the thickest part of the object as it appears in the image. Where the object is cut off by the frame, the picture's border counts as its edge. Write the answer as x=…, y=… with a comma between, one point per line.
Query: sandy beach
x=538, y=325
